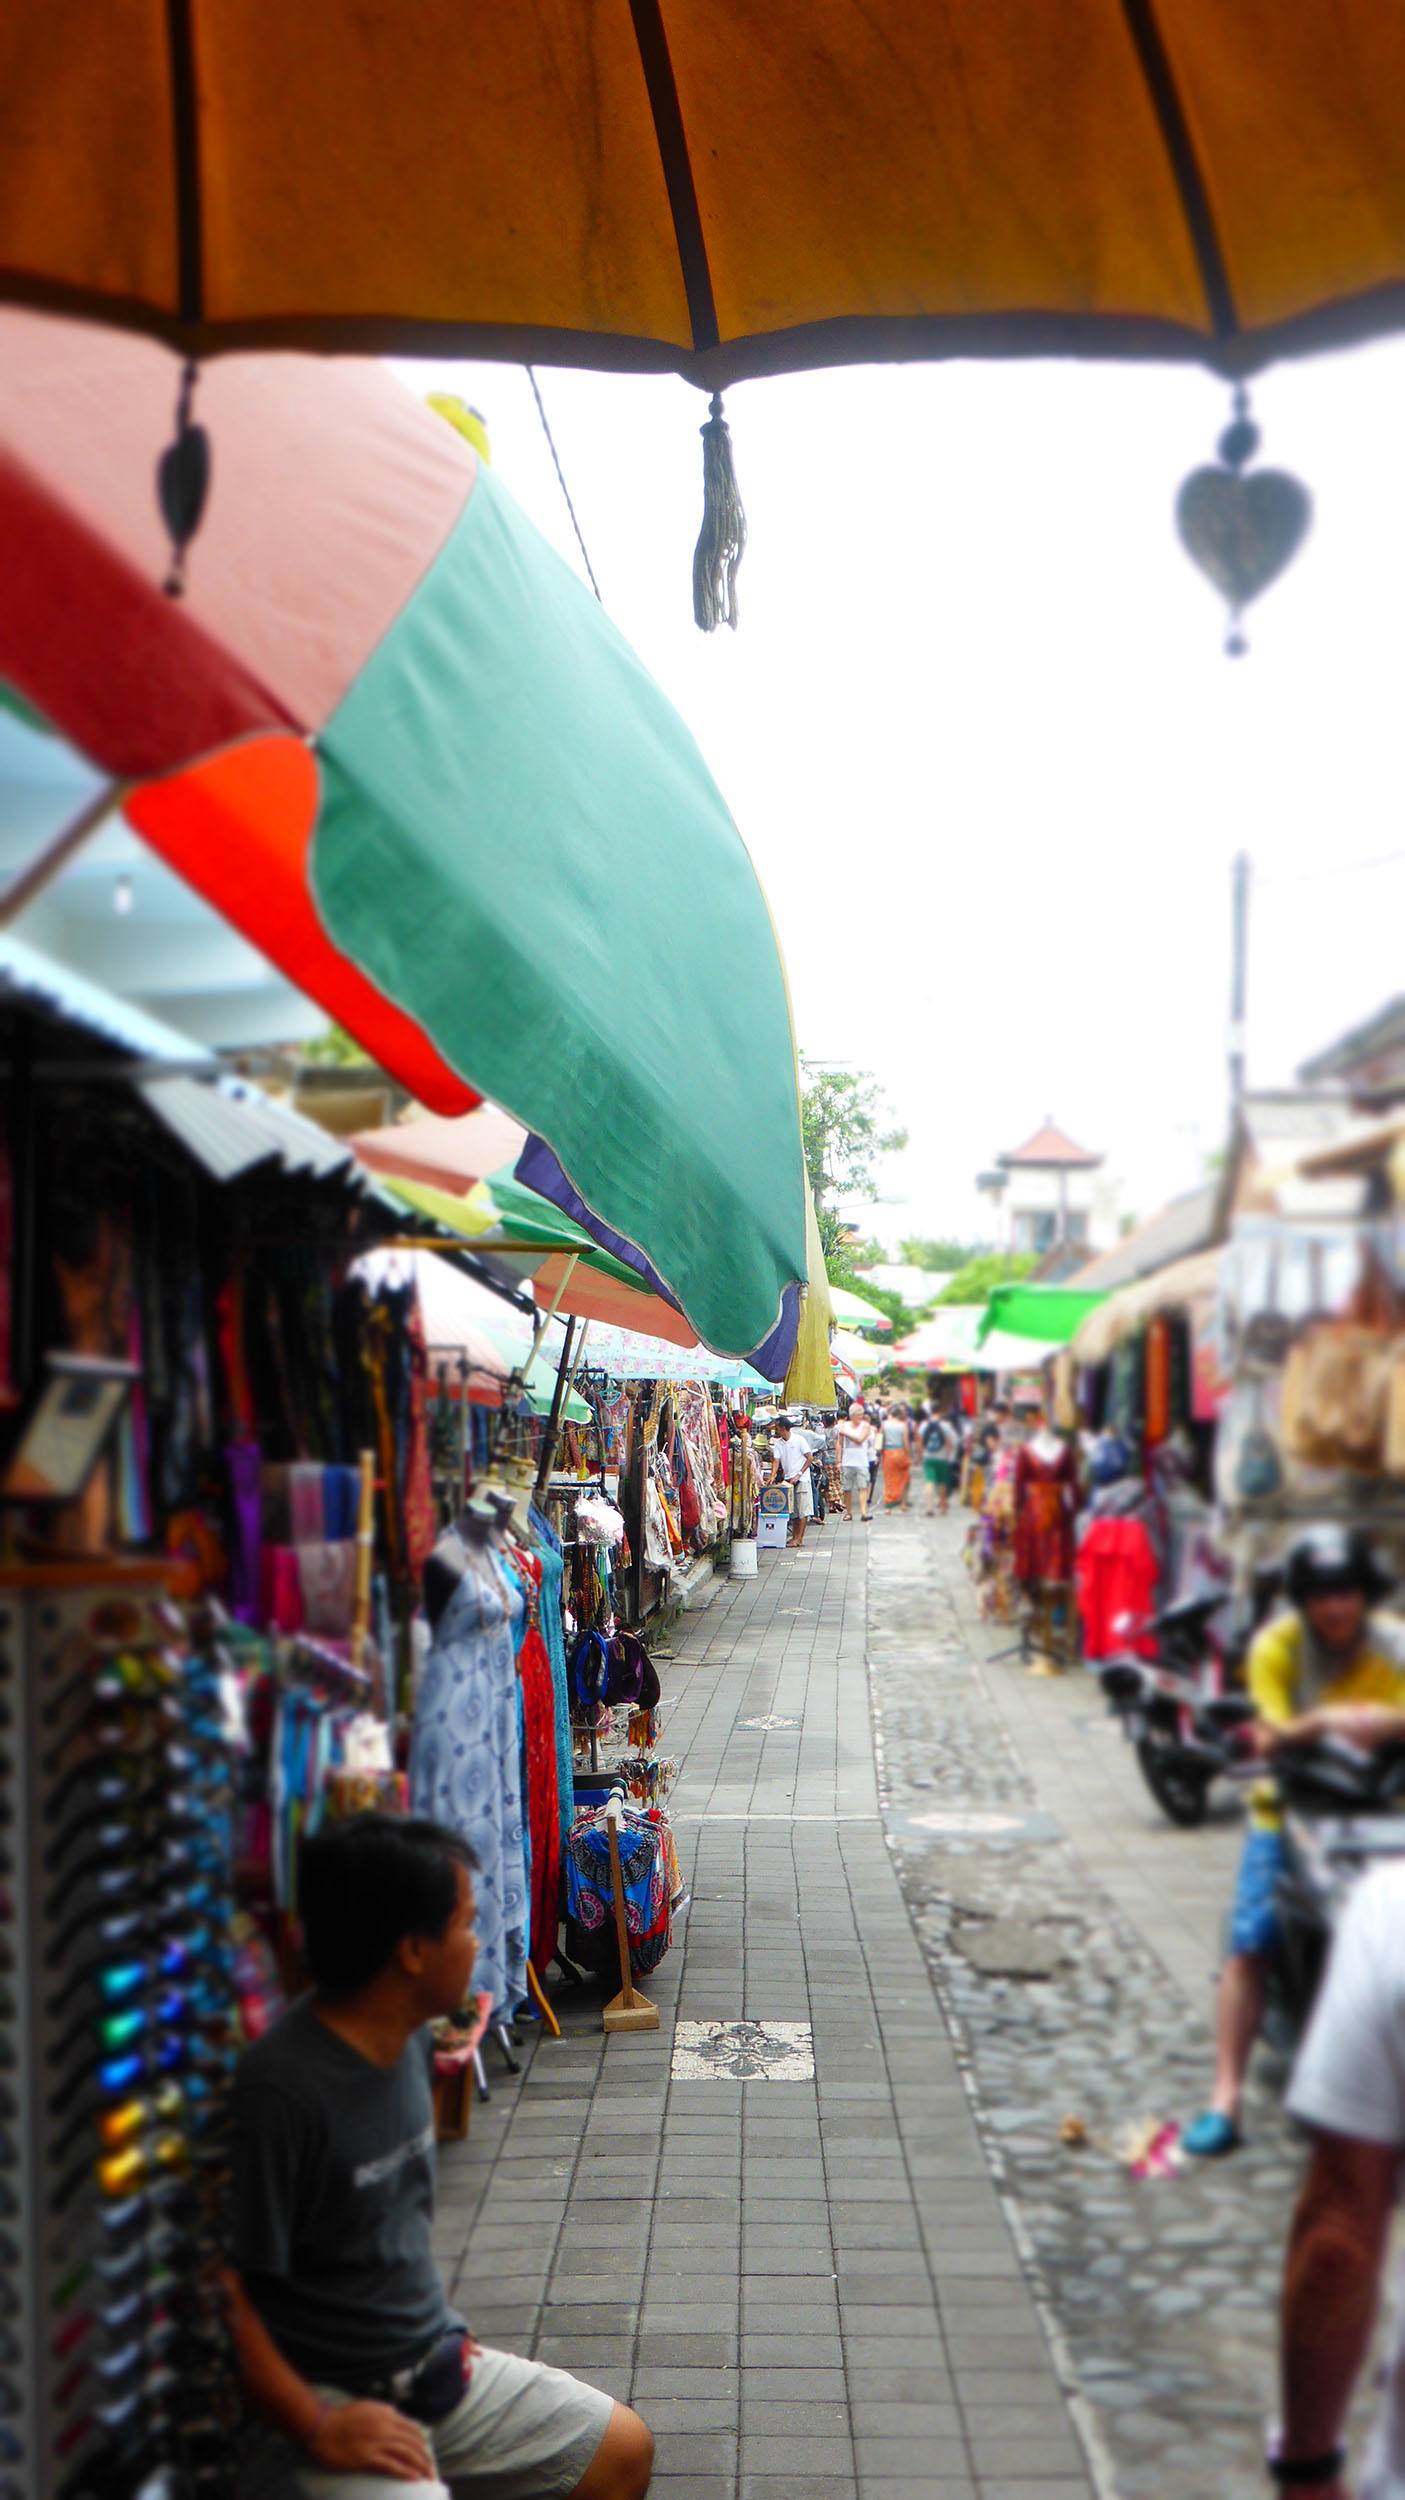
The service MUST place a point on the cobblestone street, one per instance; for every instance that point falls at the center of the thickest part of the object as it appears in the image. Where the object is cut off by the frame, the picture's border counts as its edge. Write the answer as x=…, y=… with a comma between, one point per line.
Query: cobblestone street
x=886, y=2278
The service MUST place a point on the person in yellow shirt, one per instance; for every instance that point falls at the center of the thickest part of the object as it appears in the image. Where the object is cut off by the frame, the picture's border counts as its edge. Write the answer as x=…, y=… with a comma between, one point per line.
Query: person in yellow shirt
x=1332, y=1666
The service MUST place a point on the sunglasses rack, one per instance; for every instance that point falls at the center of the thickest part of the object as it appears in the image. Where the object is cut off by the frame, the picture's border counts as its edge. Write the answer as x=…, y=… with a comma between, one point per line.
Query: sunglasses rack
x=116, y=1842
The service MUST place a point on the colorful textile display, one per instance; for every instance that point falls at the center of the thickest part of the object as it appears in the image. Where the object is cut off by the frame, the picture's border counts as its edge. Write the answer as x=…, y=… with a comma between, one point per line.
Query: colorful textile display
x=1044, y=1500
x=464, y=1762
x=552, y=1561
x=990, y=1549
x=1116, y=1575
x=539, y=1759
x=646, y=1864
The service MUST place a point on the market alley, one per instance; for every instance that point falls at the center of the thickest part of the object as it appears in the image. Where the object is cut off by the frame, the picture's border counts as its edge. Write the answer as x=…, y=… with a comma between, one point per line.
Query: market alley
x=807, y=2279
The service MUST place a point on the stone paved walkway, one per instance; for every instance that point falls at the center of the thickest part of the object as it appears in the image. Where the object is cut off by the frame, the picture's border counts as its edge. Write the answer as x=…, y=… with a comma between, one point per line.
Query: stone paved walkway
x=810, y=2287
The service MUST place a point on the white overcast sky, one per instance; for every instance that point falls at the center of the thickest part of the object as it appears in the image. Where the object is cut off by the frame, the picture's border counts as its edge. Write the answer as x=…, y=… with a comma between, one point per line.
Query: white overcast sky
x=979, y=732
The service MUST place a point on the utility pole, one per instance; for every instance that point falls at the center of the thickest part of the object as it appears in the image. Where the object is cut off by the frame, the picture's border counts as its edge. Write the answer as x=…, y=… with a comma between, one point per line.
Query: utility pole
x=1238, y=983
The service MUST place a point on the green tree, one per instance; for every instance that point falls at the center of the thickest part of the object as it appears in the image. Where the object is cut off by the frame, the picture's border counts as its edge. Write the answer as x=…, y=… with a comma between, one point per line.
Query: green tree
x=336, y=1049
x=976, y=1281
x=944, y=1255
x=892, y=1305
x=847, y=1124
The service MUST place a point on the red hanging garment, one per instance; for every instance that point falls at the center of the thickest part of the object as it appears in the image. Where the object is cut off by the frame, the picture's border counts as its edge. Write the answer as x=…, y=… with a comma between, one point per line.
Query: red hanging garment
x=1116, y=1577
x=539, y=1747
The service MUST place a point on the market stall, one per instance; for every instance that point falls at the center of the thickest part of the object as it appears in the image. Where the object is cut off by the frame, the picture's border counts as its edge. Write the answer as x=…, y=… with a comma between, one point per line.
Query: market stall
x=269, y=1556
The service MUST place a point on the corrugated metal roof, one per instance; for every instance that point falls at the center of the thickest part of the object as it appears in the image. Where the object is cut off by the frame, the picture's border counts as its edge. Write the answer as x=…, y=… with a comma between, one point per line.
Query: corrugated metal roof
x=1382, y=1031
x=27, y=975
x=1288, y=1119
x=230, y=1127
x=1177, y=1232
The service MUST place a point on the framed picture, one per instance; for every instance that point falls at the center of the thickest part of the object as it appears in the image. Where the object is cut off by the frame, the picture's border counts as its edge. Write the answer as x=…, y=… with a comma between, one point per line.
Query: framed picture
x=73, y=1417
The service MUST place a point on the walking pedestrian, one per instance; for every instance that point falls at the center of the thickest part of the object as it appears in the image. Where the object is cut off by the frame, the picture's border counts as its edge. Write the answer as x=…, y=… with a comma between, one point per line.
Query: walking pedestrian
x=897, y=1457
x=851, y=1439
x=939, y=1454
x=371, y=2386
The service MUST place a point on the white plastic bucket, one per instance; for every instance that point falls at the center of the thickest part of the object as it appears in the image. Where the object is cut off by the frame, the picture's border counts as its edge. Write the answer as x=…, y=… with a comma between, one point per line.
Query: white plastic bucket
x=743, y=1566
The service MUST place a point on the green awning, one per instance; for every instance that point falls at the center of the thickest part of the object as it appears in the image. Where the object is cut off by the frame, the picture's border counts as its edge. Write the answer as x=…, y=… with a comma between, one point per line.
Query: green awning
x=1051, y=1313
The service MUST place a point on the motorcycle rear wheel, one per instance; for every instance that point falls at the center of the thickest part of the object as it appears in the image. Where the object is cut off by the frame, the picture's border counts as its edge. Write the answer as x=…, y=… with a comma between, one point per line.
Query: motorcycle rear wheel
x=1182, y=1793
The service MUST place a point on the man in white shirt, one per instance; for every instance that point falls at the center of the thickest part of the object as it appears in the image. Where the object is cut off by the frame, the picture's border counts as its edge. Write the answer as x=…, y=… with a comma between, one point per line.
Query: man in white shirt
x=1349, y=2088
x=790, y=1451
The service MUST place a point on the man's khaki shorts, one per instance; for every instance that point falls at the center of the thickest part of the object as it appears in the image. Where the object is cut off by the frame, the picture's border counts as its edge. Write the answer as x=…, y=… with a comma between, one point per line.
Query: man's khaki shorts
x=522, y=2431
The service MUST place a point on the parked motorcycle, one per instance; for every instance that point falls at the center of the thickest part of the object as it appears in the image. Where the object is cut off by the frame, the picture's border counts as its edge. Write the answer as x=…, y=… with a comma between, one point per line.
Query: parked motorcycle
x=1177, y=1708
x=1342, y=1815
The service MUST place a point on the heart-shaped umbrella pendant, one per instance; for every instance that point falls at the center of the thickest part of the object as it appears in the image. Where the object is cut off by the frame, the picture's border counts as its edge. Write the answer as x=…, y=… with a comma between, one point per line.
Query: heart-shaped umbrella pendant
x=1241, y=529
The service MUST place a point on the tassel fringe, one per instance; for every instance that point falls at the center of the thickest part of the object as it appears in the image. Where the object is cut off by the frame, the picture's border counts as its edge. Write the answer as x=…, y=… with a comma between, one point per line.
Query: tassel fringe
x=722, y=539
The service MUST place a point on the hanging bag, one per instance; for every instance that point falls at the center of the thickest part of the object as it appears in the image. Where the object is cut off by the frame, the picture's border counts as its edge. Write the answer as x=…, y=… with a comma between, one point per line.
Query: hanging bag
x=631, y=1678
x=590, y=1669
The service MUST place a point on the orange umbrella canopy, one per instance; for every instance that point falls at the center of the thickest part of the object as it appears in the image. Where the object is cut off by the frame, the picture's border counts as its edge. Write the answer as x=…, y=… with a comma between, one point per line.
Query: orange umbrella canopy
x=718, y=187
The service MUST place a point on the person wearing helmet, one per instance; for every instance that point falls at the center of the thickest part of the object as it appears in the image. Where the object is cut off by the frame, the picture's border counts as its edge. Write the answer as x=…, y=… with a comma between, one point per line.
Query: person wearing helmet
x=1332, y=1665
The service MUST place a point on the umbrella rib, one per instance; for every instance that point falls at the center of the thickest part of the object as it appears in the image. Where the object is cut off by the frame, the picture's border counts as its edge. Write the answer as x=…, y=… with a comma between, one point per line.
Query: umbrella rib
x=1191, y=187
x=672, y=140
x=185, y=133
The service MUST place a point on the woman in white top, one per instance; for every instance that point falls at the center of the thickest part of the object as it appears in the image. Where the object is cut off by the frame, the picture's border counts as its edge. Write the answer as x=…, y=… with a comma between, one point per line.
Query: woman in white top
x=851, y=1441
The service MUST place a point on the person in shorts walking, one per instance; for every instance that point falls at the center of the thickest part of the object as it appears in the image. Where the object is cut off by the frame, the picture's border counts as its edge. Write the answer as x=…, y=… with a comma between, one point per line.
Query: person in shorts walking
x=851, y=1439
x=369, y=2384
x=939, y=1458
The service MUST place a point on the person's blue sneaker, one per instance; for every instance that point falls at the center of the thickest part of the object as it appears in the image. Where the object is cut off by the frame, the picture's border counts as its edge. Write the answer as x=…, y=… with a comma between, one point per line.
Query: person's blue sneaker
x=1210, y=2135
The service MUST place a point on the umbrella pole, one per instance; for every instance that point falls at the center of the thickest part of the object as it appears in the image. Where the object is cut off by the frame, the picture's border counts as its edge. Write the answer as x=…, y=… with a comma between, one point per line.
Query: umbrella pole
x=546, y=1317
x=553, y=1425
x=31, y=881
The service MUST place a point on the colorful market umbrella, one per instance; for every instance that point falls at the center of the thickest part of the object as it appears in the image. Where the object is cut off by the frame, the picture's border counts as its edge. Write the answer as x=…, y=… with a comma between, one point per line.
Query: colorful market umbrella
x=395, y=741
x=853, y=1352
x=626, y=1356
x=950, y=1336
x=452, y=1155
x=463, y=1319
x=1052, y=1314
x=566, y=1270
x=853, y=1312
x=786, y=187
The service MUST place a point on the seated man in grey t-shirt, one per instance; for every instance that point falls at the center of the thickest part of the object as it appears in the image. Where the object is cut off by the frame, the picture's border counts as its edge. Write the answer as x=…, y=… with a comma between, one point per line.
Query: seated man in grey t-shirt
x=373, y=2388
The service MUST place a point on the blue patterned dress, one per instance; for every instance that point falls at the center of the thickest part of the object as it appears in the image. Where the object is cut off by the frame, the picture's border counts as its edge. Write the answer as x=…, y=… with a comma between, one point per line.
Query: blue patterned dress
x=553, y=1564
x=464, y=1765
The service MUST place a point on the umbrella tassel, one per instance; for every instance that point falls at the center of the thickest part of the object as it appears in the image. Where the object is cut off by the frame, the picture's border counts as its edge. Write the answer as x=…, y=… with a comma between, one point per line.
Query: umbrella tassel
x=722, y=538
x=183, y=481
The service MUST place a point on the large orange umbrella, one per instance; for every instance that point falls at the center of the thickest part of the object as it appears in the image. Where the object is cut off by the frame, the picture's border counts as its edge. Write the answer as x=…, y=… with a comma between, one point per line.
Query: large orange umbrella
x=714, y=187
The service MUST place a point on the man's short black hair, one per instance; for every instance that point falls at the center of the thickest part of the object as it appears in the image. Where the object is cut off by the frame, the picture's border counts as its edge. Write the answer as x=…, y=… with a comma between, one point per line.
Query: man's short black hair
x=366, y=1884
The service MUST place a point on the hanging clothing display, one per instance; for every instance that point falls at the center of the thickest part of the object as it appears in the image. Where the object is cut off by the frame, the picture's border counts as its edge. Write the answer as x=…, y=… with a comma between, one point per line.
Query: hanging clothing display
x=1116, y=1574
x=990, y=1542
x=1046, y=1487
x=464, y=1760
x=649, y=1870
x=539, y=1761
x=552, y=1561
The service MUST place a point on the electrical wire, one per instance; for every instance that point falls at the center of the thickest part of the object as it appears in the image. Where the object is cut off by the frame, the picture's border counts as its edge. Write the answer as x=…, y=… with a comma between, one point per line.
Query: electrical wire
x=561, y=478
